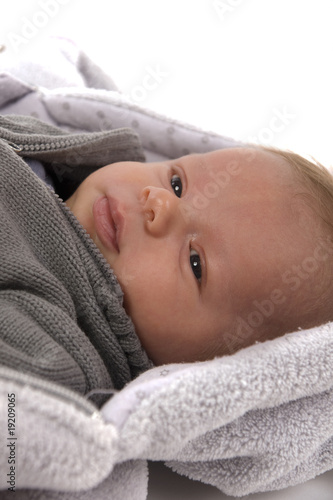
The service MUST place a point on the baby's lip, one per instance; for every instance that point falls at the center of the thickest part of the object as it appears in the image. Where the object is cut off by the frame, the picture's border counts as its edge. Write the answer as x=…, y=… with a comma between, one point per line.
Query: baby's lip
x=118, y=219
x=109, y=222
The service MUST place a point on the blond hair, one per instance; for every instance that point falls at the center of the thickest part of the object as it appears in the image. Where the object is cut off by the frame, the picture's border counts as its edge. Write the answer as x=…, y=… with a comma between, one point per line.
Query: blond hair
x=316, y=178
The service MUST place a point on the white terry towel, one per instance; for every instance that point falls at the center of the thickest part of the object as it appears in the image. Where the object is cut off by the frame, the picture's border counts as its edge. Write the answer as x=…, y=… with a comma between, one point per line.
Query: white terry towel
x=258, y=420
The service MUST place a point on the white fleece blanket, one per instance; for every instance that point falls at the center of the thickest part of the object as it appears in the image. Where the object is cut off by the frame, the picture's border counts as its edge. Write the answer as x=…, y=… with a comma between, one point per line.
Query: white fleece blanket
x=257, y=420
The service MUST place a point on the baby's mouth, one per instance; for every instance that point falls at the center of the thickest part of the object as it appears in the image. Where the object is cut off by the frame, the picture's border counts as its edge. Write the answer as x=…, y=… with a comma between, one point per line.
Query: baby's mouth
x=107, y=222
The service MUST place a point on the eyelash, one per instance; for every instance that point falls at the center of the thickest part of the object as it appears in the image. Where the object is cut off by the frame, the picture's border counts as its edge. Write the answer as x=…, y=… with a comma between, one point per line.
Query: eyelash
x=195, y=261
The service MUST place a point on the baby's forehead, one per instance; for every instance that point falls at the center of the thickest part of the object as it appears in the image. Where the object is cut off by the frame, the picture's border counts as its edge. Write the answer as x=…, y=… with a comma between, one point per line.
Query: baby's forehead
x=253, y=167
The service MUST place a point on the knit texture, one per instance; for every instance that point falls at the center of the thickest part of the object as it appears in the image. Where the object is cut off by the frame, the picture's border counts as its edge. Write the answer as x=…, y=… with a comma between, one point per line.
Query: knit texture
x=61, y=314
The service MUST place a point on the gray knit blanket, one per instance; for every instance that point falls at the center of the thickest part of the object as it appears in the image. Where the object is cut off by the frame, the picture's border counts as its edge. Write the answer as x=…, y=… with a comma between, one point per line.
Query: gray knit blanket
x=258, y=420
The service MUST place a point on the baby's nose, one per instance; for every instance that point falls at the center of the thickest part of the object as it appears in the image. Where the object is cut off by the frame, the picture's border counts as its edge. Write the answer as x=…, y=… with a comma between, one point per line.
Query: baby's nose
x=160, y=208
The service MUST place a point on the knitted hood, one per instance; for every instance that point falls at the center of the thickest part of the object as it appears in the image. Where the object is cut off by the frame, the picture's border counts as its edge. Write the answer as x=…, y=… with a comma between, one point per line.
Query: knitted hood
x=61, y=311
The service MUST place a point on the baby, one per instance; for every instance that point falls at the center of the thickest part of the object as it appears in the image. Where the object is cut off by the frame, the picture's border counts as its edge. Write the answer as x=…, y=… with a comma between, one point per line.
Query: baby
x=214, y=251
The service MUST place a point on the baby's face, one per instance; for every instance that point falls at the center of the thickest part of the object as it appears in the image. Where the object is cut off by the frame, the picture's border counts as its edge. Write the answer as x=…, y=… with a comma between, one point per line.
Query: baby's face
x=194, y=242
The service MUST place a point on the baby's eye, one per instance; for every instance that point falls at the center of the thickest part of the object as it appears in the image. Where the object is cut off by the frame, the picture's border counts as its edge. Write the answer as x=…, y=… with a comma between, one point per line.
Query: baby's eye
x=195, y=264
x=176, y=184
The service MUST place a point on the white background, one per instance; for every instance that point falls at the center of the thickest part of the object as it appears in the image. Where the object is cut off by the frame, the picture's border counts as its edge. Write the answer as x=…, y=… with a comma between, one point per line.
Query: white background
x=228, y=66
